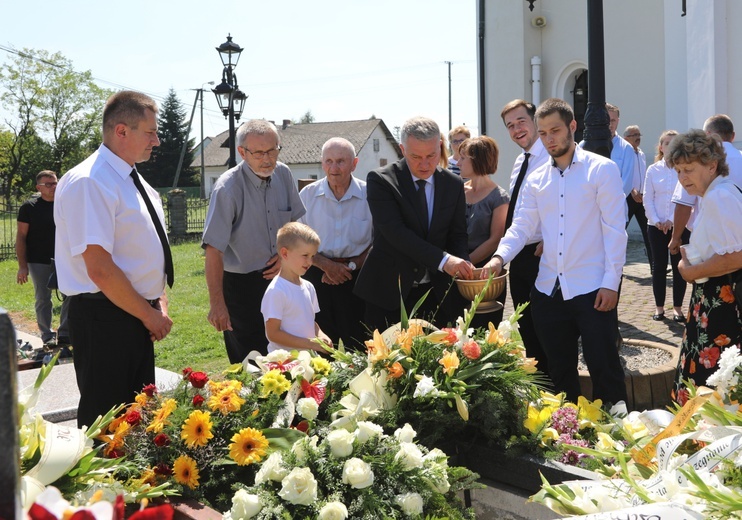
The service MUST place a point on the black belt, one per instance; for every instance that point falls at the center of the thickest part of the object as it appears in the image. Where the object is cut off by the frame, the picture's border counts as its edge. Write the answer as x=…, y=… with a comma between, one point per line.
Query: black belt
x=101, y=296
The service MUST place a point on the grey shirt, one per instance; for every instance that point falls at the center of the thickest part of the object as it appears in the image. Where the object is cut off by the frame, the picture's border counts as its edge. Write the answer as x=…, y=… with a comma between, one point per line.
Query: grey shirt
x=479, y=216
x=245, y=214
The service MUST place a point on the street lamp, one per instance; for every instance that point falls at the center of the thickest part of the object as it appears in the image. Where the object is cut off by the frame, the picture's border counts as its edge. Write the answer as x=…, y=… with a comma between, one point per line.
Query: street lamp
x=227, y=92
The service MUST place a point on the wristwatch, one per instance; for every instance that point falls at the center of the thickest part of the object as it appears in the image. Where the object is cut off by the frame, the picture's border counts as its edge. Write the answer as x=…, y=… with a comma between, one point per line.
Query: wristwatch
x=352, y=266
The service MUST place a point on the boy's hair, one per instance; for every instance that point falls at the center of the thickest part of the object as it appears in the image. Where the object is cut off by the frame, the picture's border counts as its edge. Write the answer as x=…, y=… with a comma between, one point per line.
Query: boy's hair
x=292, y=233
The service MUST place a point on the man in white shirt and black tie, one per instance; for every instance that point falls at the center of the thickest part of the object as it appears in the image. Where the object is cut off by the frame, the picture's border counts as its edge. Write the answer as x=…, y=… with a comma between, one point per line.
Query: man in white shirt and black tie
x=577, y=201
x=518, y=118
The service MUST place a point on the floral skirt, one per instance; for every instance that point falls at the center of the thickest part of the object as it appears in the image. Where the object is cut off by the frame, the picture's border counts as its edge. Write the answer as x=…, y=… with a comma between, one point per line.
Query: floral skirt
x=713, y=324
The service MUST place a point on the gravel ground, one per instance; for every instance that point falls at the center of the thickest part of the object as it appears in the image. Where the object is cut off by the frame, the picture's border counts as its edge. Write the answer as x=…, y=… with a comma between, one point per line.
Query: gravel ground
x=634, y=357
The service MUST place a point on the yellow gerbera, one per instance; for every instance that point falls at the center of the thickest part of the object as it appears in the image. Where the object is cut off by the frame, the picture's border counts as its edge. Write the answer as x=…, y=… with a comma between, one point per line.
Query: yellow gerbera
x=274, y=382
x=160, y=419
x=185, y=471
x=230, y=384
x=321, y=365
x=450, y=362
x=196, y=430
x=141, y=399
x=248, y=446
x=225, y=401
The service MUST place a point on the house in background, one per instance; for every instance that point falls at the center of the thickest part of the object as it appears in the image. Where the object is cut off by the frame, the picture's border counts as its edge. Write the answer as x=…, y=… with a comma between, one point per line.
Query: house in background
x=301, y=148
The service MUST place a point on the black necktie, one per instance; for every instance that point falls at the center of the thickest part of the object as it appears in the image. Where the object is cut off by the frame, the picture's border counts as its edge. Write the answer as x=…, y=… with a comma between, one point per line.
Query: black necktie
x=516, y=190
x=158, y=227
x=423, y=200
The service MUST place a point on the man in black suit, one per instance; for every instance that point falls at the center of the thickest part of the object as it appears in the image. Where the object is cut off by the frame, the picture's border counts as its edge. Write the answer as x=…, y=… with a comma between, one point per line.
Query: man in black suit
x=420, y=240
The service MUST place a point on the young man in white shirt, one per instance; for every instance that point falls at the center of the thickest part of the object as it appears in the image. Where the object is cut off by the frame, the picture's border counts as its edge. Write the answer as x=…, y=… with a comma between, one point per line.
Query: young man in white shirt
x=577, y=202
x=518, y=118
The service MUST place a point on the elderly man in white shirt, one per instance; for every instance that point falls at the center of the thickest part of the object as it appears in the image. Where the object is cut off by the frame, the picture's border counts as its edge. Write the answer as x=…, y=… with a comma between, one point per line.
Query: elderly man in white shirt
x=337, y=210
x=577, y=202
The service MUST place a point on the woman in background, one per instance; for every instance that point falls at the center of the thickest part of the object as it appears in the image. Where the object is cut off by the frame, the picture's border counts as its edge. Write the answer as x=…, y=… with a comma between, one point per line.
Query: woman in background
x=486, y=208
x=659, y=184
x=714, y=251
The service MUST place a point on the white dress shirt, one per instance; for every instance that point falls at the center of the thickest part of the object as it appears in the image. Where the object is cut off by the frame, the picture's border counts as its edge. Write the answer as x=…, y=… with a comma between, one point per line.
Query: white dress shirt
x=97, y=203
x=624, y=156
x=641, y=171
x=718, y=228
x=539, y=156
x=344, y=226
x=659, y=187
x=581, y=215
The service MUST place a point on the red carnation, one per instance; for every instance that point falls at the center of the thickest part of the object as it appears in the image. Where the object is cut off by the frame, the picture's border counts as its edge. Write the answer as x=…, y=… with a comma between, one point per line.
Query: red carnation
x=187, y=372
x=161, y=440
x=133, y=417
x=198, y=400
x=198, y=379
x=150, y=390
x=163, y=469
x=303, y=426
x=115, y=454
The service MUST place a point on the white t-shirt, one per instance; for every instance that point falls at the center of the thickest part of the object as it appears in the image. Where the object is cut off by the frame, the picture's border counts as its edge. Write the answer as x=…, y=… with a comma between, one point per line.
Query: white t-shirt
x=295, y=305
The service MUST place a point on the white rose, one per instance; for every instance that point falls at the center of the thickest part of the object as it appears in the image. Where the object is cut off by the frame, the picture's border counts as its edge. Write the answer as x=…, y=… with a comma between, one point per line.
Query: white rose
x=244, y=505
x=411, y=503
x=299, y=487
x=367, y=430
x=405, y=433
x=409, y=455
x=271, y=469
x=341, y=442
x=307, y=408
x=438, y=457
x=357, y=473
x=424, y=387
x=333, y=511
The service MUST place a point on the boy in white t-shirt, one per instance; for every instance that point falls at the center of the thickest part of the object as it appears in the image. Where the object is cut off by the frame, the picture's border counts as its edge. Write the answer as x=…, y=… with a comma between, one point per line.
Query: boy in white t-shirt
x=290, y=302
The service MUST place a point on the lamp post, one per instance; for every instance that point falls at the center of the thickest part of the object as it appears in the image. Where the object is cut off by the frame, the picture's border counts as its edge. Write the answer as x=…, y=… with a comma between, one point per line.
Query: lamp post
x=230, y=98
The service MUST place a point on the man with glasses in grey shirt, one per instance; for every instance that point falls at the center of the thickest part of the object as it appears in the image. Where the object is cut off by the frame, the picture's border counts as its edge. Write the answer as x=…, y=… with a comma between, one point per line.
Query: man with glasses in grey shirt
x=248, y=206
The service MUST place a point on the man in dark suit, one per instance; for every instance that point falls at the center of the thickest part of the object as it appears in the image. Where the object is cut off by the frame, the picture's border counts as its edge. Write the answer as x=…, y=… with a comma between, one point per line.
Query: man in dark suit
x=420, y=240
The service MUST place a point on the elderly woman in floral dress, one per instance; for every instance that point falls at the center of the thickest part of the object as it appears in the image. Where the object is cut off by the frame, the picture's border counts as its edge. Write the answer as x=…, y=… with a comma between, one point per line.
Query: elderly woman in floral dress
x=714, y=251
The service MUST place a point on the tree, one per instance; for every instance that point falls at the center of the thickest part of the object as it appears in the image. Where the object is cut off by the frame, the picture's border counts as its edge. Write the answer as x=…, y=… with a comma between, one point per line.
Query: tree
x=54, y=114
x=308, y=117
x=173, y=132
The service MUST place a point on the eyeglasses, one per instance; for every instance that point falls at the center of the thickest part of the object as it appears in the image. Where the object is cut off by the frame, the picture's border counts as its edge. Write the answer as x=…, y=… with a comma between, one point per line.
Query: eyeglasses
x=259, y=155
x=457, y=141
x=47, y=184
x=634, y=135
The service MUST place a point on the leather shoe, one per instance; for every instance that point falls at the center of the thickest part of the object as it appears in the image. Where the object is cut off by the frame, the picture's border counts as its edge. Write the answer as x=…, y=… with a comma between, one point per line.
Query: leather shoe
x=658, y=317
x=678, y=318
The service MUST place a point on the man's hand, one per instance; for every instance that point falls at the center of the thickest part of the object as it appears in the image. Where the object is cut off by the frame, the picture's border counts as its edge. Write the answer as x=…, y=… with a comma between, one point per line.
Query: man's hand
x=539, y=249
x=219, y=316
x=336, y=273
x=458, y=268
x=22, y=276
x=606, y=300
x=272, y=267
x=636, y=196
x=158, y=323
x=493, y=266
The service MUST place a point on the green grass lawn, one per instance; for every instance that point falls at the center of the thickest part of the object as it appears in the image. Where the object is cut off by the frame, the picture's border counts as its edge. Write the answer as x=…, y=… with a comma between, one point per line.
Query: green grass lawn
x=192, y=342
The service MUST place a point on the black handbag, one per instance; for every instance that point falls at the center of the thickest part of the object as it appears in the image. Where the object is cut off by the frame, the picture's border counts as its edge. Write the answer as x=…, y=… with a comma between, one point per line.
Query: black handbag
x=52, y=283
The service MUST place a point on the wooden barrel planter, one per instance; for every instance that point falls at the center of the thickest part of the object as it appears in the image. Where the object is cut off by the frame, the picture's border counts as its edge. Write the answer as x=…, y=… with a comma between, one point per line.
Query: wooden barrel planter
x=647, y=388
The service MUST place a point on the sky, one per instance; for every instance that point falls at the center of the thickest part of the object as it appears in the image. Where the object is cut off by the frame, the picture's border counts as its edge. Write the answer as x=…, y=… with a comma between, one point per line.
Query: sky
x=340, y=59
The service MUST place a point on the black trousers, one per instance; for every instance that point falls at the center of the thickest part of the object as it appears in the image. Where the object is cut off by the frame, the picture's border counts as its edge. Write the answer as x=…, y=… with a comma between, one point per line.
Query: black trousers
x=523, y=273
x=243, y=294
x=341, y=312
x=559, y=324
x=636, y=210
x=659, y=241
x=114, y=356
